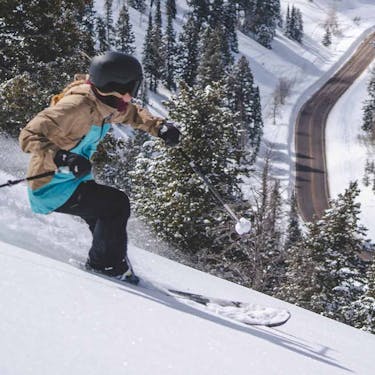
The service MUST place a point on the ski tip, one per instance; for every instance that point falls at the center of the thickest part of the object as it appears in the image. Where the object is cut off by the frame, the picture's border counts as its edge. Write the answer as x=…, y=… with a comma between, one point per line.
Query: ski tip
x=278, y=323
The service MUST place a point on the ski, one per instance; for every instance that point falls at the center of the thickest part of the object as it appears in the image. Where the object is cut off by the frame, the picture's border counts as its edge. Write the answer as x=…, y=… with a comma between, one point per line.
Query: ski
x=247, y=313
x=239, y=312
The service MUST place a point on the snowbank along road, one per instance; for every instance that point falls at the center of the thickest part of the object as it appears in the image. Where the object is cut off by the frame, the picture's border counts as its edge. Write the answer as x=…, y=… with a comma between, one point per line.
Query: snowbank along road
x=311, y=172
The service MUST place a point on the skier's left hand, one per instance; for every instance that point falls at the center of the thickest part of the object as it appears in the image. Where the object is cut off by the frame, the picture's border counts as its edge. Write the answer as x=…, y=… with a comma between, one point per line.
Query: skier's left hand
x=170, y=134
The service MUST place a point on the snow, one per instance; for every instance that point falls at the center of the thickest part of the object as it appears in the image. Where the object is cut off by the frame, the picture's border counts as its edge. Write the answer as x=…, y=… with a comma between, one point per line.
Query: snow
x=243, y=226
x=306, y=66
x=57, y=319
x=346, y=153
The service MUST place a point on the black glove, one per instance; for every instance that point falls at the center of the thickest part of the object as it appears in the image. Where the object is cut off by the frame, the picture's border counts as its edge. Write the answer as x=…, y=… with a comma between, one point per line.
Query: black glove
x=170, y=134
x=77, y=164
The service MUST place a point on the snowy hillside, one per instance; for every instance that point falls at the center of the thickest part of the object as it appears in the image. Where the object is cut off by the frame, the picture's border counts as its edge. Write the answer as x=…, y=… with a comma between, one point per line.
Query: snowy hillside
x=56, y=319
x=305, y=66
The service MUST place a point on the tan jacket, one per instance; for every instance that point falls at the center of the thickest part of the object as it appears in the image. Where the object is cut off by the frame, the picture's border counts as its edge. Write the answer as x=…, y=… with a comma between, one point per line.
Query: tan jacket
x=63, y=125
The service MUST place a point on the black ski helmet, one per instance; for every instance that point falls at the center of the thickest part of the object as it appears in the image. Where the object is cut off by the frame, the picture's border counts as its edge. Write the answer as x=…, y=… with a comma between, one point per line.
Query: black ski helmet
x=116, y=71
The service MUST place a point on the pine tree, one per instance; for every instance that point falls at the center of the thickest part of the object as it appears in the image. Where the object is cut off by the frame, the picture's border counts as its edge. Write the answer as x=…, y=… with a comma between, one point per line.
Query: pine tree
x=19, y=101
x=267, y=16
x=47, y=31
x=298, y=35
x=216, y=13
x=170, y=55
x=108, y=23
x=368, y=121
x=153, y=50
x=201, y=9
x=143, y=94
x=294, y=24
x=171, y=8
x=52, y=37
x=294, y=234
x=168, y=193
x=230, y=22
x=188, y=50
x=361, y=312
x=327, y=38
x=153, y=62
x=88, y=28
x=139, y=5
x=371, y=284
x=103, y=45
x=124, y=34
x=116, y=158
x=243, y=97
x=261, y=19
x=257, y=130
x=215, y=56
x=224, y=16
x=325, y=273
x=288, y=25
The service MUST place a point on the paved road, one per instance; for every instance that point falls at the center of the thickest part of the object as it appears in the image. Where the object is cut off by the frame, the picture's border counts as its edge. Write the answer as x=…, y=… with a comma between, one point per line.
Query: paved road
x=311, y=171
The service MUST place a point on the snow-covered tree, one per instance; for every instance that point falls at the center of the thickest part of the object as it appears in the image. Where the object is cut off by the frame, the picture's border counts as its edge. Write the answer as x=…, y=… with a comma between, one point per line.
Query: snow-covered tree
x=103, y=44
x=153, y=54
x=188, y=50
x=293, y=233
x=325, y=273
x=108, y=22
x=223, y=14
x=88, y=28
x=46, y=30
x=294, y=24
x=139, y=5
x=361, y=312
x=260, y=19
x=170, y=54
x=168, y=194
x=116, y=158
x=19, y=101
x=215, y=56
x=243, y=97
x=230, y=21
x=51, y=35
x=327, y=38
x=171, y=8
x=200, y=8
x=124, y=32
x=368, y=122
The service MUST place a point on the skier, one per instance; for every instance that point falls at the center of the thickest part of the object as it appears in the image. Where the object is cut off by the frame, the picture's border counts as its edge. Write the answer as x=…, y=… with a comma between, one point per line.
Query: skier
x=65, y=136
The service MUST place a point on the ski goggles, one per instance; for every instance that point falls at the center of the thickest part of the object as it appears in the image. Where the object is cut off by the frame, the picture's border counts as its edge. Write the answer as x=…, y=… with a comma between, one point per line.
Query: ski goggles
x=119, y=90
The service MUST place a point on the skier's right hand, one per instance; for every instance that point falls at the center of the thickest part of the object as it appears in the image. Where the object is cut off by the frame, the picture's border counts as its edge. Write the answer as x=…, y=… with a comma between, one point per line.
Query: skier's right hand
x=77, y=164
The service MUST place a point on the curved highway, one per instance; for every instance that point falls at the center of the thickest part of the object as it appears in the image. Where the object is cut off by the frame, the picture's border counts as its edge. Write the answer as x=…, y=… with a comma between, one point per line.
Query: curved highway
x=311, y=183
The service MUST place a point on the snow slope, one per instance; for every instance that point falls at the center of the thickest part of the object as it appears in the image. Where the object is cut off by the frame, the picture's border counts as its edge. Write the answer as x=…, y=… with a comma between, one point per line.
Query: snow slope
x=56, y=319
x=306, y=66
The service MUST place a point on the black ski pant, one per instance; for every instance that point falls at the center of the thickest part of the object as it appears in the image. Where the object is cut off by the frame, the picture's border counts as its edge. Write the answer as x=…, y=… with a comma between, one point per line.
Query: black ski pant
x=106, y=210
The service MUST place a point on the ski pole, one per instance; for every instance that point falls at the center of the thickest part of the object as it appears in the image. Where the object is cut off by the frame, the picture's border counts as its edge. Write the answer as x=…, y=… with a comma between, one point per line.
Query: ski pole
x=242, y=225
x=15, y=182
